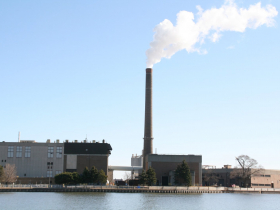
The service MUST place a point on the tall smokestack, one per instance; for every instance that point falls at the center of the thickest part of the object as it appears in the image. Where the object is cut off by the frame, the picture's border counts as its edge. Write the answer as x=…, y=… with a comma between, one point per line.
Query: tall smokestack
x=148, y=129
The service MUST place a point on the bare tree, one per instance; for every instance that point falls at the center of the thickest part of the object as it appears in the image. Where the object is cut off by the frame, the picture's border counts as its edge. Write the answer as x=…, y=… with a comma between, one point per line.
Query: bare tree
x=210, y=177
x=245, y=169
x=1, y=173
x=10, y=174
x=127, y=177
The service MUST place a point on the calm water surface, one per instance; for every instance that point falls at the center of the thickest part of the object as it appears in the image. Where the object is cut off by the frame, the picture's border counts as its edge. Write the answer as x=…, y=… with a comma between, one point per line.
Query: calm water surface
x=138, y=201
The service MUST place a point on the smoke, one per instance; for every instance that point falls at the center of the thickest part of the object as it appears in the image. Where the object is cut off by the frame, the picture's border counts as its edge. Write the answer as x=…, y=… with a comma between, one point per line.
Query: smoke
x=169, y=39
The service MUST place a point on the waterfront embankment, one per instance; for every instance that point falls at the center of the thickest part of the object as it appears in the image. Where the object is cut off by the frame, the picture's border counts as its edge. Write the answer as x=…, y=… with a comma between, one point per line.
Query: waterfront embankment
x=135, y=189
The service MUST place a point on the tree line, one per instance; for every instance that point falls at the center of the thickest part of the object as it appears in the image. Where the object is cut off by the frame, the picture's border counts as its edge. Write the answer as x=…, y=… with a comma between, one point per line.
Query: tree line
x=92, y=176
x=182, y=176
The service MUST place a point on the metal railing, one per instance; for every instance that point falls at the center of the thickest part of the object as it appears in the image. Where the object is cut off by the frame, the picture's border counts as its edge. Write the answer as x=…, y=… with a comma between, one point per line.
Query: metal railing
x=179, y=188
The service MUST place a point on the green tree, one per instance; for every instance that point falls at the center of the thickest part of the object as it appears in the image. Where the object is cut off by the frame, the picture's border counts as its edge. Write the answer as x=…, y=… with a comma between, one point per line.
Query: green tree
x=86, y=176
x=76, y=178
x=143, y=178
x=183, y=174
x=102, y=178
x=151, y=175
x=93, y=174
x=1, y=173
x=64, y=178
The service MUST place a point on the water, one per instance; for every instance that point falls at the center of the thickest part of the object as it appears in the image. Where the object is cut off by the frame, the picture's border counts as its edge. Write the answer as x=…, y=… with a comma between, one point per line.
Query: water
x=61, y=201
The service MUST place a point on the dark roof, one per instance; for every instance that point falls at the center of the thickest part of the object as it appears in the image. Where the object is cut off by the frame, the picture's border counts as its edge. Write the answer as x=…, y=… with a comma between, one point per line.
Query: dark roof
x=87, y=148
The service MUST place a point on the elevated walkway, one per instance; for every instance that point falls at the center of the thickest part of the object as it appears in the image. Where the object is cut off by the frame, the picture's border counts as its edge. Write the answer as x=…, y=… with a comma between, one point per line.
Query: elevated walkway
x=125, y=168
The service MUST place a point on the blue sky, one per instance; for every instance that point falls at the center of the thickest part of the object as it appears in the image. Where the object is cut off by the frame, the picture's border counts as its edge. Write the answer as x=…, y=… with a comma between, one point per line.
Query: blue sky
x=74, y=68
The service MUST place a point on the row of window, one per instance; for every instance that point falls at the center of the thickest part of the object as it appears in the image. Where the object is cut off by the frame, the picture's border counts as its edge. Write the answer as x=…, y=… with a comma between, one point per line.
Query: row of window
x=261, y=184
x=262, y=175
x=27, y=153
x=19, y=151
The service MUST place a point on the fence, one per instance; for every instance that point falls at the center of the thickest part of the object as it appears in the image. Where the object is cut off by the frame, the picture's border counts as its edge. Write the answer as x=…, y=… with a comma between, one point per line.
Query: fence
x=150, y=188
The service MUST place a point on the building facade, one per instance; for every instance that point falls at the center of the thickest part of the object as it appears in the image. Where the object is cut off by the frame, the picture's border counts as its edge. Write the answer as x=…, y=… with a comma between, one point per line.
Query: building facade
x=40, y=162
x=165, y=164
x=265, y=178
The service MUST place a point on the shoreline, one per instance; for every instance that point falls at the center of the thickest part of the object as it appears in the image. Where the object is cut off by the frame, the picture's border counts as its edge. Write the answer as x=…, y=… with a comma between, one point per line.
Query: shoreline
x=174, y=190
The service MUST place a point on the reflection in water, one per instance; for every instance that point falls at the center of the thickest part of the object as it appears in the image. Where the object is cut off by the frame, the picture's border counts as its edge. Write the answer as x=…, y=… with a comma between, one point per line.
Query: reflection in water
x=88, y=200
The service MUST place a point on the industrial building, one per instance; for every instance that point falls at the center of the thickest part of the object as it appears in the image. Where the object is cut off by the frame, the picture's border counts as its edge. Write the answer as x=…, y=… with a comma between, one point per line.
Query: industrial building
x=40, y=162
x=265, y=178
x=136, y=160
x=164, y=165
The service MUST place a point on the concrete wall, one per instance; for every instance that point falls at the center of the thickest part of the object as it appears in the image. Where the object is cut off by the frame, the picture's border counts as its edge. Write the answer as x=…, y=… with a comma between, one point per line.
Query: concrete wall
x=36, y=164
x=110, y=176
x=30, y=180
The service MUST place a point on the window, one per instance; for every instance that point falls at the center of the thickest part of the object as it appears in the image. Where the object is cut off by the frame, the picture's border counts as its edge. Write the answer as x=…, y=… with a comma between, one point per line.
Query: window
x=10, y=151
x=57, y=172
x=267, y=185
x=19, y=152
x=50, y=152
x=267, y=175
x=58, y=152
x=27, y=152
x=255, y=185
x=49, y=173
x=50, y=165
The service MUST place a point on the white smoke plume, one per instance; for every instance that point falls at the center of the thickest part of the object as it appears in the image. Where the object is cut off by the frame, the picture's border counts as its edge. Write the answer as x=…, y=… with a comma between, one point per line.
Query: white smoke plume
x=169, y=39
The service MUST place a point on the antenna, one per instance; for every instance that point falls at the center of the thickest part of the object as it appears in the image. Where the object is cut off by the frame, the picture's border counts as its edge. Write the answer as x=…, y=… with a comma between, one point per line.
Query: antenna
x=19, y=136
